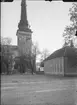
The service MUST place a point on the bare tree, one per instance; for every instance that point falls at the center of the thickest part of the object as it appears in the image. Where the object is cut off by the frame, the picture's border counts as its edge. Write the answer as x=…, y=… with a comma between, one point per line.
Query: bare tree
x=6, y=55
x=44, y=54
x=6, y=40
x=35, y=53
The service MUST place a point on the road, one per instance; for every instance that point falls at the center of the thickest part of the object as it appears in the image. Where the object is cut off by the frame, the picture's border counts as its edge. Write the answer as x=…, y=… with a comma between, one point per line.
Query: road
x=38, y=90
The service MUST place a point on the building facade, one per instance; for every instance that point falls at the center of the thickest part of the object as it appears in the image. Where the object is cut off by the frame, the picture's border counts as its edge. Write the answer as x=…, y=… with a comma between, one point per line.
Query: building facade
x=62, y=62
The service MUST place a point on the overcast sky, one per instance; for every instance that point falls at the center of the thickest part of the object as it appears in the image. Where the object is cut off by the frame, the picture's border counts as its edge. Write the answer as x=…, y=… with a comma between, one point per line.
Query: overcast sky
x=47, y=21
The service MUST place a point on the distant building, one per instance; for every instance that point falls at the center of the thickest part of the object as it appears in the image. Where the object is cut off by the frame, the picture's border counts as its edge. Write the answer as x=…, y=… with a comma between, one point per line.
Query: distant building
x=62, y=62
x=37, y=66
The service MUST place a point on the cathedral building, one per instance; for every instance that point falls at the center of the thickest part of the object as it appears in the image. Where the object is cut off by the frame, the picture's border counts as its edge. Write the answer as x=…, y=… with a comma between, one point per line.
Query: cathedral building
x=24, y=34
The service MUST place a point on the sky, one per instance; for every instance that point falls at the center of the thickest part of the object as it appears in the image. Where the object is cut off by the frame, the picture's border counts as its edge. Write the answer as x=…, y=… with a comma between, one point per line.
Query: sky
x=47, y=21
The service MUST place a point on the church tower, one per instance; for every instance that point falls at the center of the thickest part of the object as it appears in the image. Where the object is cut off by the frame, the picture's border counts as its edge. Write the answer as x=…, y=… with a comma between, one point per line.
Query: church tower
x=24, y=33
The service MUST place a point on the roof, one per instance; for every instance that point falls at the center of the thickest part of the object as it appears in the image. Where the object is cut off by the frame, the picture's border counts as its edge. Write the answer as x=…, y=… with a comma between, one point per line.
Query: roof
x=63, y=52
x=13, y=47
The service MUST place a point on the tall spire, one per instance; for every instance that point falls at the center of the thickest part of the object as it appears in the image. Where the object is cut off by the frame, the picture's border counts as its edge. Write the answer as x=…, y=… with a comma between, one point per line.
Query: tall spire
x=23, y=24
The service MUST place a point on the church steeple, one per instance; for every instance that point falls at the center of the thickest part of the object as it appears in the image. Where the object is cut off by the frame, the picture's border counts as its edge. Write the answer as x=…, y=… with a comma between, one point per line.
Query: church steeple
x=24, y=33
x=23, y=24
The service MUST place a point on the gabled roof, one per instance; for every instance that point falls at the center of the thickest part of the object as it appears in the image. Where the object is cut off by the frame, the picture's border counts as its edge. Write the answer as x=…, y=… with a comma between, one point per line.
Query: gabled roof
x=63, y=52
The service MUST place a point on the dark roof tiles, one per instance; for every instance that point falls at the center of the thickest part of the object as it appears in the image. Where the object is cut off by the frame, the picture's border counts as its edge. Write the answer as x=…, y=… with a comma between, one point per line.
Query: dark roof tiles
x=66, y=51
